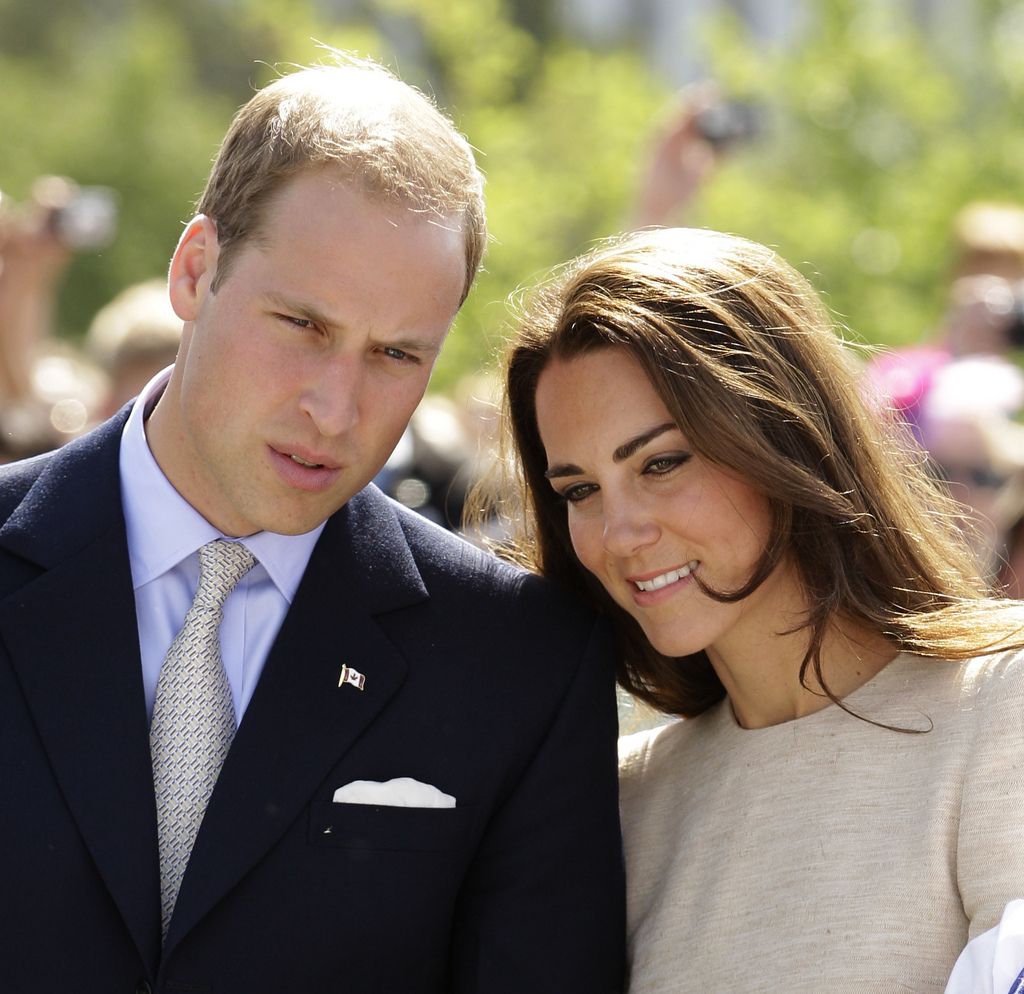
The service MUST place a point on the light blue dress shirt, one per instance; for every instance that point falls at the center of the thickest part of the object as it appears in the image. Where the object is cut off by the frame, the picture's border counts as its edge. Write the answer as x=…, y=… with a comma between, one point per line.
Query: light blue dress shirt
x=165, y=534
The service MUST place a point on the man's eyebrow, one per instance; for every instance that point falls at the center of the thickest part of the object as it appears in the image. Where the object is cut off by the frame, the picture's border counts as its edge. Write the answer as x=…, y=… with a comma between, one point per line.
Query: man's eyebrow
x=310, y=313
x=624, y=451
x=306, y=311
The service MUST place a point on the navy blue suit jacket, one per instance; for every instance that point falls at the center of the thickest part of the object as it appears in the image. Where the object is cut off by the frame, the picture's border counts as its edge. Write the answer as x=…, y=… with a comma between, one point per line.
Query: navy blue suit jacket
x=481, y=680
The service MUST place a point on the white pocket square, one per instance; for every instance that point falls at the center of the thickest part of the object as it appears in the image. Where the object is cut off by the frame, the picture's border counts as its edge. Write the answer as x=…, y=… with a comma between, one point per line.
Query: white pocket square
x=404, y=792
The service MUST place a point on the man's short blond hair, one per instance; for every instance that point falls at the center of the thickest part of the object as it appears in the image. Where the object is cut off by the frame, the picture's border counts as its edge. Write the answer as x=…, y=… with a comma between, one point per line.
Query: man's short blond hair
x=988, y=237
x=137, y=326
x=360, y=120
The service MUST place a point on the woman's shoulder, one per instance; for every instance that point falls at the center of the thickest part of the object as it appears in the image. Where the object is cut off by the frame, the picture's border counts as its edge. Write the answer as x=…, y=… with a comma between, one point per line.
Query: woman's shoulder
x=642, y=754
x=994, y=677
x=957, y=701
x=941, y=696
x=646, y=762
x=635, y=750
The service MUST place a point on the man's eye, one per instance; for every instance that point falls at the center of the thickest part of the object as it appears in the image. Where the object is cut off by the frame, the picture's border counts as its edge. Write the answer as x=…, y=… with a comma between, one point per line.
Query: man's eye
x=399, y=355
x=297, y=322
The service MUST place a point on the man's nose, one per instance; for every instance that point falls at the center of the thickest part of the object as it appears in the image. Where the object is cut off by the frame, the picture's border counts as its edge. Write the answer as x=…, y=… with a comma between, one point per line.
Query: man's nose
x=333, y=394
x=628, y=525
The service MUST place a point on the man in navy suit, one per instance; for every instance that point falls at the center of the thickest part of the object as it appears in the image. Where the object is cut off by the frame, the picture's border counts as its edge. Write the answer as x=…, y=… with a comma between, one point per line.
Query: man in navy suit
x=420, y=794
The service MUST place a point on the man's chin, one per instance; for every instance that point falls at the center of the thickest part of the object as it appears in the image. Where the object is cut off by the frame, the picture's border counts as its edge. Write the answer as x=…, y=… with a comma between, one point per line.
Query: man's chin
x=304, y=518
x=283, y=524
x=276, y=520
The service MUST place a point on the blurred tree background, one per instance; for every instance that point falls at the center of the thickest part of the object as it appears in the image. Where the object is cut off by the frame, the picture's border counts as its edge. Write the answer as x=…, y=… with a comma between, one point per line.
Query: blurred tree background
x=875, y=135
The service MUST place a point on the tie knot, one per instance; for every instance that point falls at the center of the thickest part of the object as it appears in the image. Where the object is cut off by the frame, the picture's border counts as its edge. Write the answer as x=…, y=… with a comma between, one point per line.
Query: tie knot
x=221, y=565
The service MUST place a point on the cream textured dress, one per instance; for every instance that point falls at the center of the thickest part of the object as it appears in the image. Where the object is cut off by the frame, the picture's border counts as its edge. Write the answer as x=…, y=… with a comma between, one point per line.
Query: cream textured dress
x=827, y=854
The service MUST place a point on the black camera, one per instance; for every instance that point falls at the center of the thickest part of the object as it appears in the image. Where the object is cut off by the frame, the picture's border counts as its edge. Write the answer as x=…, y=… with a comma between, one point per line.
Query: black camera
x=730, y=122
x=88, y=220
x=1015, y=319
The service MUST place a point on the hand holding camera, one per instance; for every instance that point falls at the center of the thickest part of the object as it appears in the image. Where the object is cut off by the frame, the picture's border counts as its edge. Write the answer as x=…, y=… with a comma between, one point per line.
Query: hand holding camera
x=37, y=240
x=60, y=217
x=702, y=126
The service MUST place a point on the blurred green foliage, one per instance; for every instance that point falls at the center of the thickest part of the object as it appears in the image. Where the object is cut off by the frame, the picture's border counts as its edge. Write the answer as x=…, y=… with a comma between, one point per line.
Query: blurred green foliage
x=877, y=138
x=874, y=140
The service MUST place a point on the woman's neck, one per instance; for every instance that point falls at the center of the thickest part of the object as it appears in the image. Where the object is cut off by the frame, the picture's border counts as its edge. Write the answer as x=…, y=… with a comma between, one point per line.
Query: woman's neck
x=762, y=679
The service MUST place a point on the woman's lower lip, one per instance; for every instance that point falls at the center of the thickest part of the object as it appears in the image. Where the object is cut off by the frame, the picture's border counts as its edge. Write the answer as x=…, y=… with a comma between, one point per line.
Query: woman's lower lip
x=312, y=479
x=650, y=598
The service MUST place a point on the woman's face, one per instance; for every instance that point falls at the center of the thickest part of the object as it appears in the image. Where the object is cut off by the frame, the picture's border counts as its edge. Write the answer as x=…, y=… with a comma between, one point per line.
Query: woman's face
x=646, y=514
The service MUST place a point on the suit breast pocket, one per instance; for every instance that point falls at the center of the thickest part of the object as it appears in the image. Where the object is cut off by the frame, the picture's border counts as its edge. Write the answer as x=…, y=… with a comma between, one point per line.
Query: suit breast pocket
x=382, y=828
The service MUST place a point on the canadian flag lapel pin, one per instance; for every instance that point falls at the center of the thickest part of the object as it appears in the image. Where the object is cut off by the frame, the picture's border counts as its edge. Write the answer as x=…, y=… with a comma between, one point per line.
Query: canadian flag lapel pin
x=354, y=677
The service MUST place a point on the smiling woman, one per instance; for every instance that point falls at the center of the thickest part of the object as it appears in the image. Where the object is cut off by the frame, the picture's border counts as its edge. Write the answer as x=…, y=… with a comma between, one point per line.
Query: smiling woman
x=693, y=452
x=648, y=517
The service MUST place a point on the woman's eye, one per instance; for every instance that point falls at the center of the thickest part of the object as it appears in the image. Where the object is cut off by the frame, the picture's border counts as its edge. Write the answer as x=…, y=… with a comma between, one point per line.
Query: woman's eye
x=660, y=465
x=577, y=492
x=297, y=322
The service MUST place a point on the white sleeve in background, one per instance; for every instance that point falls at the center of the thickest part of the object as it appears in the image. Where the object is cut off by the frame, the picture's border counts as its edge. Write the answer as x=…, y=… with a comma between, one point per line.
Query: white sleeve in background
x=993, y=962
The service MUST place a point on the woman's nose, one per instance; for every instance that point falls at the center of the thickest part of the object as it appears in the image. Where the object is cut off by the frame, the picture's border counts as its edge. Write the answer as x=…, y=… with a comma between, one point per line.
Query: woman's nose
x=628, y=527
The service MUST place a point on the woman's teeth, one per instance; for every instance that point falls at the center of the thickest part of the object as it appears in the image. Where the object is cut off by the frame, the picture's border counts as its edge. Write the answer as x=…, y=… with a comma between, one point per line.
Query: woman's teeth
x=302, y=462
x=657, y=582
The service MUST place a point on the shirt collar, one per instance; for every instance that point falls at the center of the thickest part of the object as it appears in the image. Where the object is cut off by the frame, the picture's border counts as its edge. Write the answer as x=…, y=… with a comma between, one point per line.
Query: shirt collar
x=163, y=528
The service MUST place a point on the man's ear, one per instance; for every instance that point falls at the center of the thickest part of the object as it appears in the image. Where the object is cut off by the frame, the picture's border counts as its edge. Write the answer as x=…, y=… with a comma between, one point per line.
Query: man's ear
x=193, y=266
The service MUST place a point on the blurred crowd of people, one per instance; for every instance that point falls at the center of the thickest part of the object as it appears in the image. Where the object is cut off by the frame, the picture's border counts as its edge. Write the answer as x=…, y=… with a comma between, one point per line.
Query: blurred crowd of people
x=960, y=390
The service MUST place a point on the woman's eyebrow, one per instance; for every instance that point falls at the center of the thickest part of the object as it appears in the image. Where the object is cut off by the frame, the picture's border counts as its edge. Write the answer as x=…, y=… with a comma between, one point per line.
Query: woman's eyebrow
x=624, y=451
x=627, y=449
x=565, y=469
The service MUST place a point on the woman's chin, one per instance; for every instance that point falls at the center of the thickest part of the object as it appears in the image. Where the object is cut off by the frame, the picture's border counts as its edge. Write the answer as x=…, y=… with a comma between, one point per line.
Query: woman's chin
x=673, y=643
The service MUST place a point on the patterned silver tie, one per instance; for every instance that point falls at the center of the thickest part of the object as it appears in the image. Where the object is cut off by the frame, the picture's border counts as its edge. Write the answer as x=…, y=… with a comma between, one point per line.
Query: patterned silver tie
x=193, y=716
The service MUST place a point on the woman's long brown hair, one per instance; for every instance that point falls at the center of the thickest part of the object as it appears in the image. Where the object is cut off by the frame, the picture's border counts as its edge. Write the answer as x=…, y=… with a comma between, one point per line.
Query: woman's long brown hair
x=744, y=356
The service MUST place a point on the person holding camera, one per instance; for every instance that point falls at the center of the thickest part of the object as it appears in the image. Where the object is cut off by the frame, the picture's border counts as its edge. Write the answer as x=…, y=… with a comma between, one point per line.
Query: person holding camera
x=47, y=389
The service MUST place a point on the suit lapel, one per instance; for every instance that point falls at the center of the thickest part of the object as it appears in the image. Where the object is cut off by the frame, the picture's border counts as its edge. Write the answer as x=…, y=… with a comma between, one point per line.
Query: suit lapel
x=300, y=722
x=73, y=641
